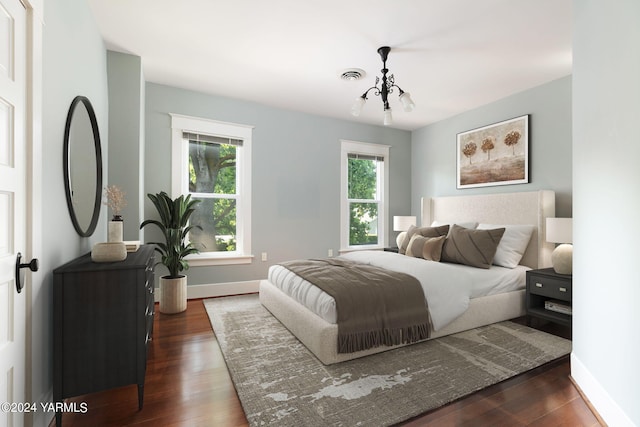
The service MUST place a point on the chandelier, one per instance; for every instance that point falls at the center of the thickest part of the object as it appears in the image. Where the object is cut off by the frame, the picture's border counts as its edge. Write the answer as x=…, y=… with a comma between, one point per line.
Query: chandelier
x=385, y=88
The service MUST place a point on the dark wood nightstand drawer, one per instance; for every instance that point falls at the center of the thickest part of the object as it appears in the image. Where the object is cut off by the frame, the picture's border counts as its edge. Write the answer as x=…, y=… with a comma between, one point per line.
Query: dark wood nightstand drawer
x=547, y=286
x=548, y=296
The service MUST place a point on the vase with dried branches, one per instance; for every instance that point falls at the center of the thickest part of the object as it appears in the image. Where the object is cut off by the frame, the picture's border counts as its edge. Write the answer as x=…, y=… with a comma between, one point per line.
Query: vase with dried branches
x=116, y=201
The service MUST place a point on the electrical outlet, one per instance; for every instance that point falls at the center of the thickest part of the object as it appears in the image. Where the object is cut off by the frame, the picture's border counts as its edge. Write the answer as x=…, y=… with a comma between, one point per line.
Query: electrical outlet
x=330, y=252
x=264, y=256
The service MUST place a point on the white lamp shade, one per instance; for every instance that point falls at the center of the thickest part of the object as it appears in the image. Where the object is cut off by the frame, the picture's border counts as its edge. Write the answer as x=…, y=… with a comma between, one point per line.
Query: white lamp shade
x=388, y=118
x=407, y=102
x=559, y=230
x=357, y=106
x=402, y=223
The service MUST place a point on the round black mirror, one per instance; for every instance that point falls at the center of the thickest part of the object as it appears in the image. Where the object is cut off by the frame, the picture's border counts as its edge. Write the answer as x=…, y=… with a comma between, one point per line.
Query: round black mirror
x=82, y=165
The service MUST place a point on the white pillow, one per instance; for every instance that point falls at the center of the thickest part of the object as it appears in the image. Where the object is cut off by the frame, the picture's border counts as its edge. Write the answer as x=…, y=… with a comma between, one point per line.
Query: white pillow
x=400, y=238
x=512, y=245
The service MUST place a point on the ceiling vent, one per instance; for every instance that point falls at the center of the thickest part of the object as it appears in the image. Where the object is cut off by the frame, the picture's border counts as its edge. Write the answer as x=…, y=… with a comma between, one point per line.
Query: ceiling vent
x=352, y=74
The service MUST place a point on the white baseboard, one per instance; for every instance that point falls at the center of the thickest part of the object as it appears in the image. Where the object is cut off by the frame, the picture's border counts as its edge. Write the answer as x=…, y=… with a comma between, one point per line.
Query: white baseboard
x=218, y=289
x=607, y=408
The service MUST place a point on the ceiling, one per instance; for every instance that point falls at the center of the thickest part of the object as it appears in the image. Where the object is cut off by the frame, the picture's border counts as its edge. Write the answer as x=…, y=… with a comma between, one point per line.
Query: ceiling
x=450, y=55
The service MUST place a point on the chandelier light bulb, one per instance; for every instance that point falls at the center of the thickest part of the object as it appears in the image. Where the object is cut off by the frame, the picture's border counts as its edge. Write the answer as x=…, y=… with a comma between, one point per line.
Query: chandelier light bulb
x=407, y=102
x=357, y=105
x=388, y=118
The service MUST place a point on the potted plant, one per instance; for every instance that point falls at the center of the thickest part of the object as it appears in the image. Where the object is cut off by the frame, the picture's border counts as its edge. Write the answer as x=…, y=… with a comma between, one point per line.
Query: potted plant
x=173, y=223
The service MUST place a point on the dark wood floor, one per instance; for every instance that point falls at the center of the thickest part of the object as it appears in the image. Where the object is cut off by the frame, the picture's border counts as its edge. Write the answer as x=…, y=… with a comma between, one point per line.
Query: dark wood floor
x=188, y=384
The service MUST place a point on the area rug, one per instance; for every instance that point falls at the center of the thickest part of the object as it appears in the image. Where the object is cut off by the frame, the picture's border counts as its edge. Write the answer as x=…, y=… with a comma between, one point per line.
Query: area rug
x=281, y=383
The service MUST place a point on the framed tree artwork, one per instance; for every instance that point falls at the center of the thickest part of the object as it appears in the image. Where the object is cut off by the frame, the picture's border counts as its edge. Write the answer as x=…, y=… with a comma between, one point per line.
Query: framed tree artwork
x=496, y=154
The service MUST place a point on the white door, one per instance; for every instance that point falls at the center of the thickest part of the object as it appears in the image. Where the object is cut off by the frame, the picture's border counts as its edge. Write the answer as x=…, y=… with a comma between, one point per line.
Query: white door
x=13, y=172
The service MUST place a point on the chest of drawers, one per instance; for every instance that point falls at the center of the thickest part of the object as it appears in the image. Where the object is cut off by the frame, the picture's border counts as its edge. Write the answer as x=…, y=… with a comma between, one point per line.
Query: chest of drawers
x=102, y=322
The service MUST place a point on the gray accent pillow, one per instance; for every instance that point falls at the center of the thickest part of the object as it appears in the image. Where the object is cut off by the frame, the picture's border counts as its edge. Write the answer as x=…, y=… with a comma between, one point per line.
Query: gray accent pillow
x=429, y=248
x=472, y=247
x=424, y=232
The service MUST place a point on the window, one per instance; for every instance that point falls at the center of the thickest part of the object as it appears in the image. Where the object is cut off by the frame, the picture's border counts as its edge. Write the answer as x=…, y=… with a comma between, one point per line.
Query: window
x=211, y=161
x=364, y=181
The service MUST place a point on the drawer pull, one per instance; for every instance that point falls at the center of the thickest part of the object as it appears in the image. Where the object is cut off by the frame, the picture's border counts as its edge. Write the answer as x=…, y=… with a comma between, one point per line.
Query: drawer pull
x=563, y=289
x=538, y=285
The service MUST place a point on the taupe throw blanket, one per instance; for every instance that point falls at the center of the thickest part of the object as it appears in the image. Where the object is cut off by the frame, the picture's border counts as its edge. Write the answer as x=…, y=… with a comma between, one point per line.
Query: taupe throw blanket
x=375, y=306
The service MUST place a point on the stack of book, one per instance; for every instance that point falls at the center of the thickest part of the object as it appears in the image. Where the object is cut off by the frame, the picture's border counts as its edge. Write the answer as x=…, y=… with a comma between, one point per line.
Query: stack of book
x=132, y=245
x=557, y=306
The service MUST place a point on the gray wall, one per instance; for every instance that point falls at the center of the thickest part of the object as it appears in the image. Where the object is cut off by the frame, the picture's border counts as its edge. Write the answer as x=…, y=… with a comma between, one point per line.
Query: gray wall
x=606, y=147
x=433, y=165
x=126, y=136
x=295, y=174
x=74, y=63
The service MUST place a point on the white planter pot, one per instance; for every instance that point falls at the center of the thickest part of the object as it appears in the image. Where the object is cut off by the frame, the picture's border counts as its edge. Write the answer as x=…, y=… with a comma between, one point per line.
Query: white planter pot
x=173, y=295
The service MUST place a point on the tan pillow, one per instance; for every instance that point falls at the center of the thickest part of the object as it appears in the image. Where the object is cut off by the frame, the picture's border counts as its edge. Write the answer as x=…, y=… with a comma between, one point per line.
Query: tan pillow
x=429, y=248
x=471, y=247
x=424, y=232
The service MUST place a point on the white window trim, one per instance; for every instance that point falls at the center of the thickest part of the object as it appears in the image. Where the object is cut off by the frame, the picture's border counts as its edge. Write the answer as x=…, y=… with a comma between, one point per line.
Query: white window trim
x=179, y=153
x=366, y=148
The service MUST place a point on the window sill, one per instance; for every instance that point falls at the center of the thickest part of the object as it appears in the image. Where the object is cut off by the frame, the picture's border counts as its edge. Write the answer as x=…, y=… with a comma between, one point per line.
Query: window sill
x=207, y=259
x=361, y=248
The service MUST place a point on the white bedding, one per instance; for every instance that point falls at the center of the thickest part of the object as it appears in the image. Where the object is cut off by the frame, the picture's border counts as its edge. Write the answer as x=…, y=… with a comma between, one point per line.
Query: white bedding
x=461, y=283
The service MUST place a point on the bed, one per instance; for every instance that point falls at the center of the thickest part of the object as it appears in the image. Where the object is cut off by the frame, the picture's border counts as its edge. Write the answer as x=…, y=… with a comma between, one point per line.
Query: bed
x=316, y=328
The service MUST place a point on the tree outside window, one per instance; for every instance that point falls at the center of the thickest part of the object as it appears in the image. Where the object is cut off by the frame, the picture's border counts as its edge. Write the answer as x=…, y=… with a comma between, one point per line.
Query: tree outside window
x=212, y=180
x=363, y=201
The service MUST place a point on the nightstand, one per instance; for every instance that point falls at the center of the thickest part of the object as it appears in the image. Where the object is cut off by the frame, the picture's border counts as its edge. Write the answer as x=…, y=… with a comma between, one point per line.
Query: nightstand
x=392, y=249
x=549, y=296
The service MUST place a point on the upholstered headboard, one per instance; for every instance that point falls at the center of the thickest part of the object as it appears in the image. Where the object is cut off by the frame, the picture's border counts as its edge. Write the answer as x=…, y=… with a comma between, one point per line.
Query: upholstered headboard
x=530, y=208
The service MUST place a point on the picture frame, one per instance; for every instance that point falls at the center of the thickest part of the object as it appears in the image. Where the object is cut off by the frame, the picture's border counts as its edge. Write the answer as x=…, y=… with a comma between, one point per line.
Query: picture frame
x=496, y=154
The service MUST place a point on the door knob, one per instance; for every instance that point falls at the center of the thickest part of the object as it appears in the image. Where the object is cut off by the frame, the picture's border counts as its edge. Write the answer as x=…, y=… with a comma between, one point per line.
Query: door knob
x=32, y=265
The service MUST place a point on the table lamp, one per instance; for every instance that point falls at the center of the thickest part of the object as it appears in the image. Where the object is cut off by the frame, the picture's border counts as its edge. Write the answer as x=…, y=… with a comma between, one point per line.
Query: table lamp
x=560, y=230
x=403, y=223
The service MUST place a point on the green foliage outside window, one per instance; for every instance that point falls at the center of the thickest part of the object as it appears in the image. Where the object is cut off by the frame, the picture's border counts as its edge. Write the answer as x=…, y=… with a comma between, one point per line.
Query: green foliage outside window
x=363, y=215
x=212, y=170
